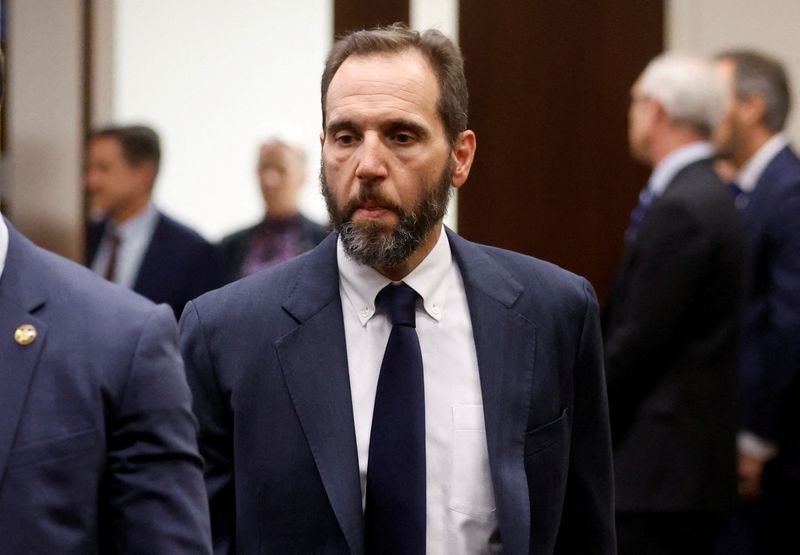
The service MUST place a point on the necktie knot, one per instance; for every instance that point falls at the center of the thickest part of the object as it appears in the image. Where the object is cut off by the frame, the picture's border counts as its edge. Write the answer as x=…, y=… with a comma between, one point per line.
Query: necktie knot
x=399, y=302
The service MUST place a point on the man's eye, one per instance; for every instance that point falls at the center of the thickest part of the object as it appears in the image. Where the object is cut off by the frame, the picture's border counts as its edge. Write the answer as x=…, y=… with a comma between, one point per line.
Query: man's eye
x=344, y=139
x=403, y=138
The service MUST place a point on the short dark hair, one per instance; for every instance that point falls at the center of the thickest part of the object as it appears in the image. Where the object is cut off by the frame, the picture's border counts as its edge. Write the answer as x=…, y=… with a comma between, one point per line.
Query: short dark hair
x=139, y=143
x=441, y=53
x=756, y=74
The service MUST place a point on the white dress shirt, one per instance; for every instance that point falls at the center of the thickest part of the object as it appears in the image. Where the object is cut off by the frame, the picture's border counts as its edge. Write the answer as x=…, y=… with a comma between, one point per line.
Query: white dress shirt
x=3, y=244
x=460, y=499
x=135, y=236
x=674, y=162
x=751, y=172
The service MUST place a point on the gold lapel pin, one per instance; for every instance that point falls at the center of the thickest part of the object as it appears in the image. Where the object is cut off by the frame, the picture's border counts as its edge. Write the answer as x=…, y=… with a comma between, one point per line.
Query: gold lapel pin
x=25, y=334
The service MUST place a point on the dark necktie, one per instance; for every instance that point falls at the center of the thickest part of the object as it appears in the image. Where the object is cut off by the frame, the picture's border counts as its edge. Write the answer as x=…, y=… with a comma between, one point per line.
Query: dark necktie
x=740, y=197
x=637, y=216
x=395, y=509
x=111, y=266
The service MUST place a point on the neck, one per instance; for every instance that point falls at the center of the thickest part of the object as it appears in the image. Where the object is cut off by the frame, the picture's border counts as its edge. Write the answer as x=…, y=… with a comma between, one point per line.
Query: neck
x=397, y=273
x=670, y=142
x=129, y=211
x=278, y=212
x=751, y=143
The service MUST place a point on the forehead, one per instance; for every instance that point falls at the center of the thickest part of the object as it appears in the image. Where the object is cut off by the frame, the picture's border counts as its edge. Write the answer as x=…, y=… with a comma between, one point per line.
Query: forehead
x=274, y=152
x=398, y=84
x=106, y=147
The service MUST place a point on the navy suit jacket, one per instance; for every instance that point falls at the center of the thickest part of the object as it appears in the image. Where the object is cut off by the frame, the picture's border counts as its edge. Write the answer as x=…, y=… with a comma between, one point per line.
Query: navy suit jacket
x=178, y=264
x=98, y=452
x=267, y=363
x=771, y=347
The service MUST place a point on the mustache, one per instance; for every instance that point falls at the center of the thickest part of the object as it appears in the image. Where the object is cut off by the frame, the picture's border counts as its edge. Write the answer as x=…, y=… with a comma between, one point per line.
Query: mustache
x=374, y=198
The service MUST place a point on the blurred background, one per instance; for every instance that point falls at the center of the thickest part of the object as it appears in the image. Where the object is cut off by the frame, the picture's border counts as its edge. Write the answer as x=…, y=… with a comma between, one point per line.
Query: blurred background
x=549, y=84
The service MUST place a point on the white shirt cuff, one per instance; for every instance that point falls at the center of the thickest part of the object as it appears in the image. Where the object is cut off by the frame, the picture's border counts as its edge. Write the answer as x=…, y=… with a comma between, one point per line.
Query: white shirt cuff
x=755, y=446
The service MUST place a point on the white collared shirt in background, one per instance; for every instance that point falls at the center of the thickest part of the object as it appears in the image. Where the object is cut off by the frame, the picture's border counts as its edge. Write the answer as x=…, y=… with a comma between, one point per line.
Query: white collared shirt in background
x=674, y=162
x=135, y=236
x=751, y=172
x=460, y=498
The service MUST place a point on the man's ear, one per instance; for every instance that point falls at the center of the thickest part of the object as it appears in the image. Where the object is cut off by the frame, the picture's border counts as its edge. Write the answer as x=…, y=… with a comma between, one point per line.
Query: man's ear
x=321, y=138
x=146, y=172
x=753, y=109
x=463, y=155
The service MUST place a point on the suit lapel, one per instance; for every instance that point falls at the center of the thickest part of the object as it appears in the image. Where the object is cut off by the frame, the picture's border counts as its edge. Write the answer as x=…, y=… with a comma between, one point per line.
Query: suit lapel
x=313, y=358
x=505, y=342
x=19, y=298
x=148, y=276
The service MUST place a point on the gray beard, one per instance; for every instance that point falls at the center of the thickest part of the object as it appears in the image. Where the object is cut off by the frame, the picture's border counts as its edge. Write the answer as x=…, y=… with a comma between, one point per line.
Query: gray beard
x=371, y=243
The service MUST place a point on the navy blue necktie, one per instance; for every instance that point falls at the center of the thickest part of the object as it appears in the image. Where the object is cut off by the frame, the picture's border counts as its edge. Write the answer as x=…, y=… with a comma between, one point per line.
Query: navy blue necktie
x=740, y=197
x=394, y=515
x=637, y=216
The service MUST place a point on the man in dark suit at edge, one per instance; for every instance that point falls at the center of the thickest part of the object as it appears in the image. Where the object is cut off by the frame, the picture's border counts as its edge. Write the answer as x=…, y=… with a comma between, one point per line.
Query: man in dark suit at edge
x=767, y=185
x=672, y=326
x=97, y=439
x=134, y=244
x=500, y=439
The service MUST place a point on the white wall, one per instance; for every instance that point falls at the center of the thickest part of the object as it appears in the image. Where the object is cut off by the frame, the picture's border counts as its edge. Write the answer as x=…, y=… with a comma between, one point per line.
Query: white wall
x=708, y=26
x=214, y=78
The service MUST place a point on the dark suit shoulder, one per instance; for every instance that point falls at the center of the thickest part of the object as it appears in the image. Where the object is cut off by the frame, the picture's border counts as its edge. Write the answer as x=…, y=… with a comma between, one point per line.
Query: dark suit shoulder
x=169, y=228
x=237, y=238
x=538, y=287
x=81, y=290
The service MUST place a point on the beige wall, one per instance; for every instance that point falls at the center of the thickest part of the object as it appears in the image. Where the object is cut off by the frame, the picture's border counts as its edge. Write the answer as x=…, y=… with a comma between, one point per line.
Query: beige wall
x=773, y=26
x=45, y=107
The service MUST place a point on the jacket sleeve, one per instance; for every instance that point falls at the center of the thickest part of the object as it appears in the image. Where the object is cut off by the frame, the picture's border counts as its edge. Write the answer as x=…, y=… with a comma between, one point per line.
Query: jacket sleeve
x=154, y=485
x=771, y=350
x=216, y=431
x=587, y=524
x=661, y=284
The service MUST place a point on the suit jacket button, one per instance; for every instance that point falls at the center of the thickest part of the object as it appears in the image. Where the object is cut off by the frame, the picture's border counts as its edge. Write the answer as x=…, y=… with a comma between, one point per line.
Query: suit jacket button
x=25, y=334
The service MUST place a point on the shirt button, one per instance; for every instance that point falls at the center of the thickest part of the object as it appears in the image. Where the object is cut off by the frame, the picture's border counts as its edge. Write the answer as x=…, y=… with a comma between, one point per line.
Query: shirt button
x=435, y=310
x=364, y=312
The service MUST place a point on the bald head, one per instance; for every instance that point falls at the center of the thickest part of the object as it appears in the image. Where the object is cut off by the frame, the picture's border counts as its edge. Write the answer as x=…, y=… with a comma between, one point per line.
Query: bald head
x=281, y=175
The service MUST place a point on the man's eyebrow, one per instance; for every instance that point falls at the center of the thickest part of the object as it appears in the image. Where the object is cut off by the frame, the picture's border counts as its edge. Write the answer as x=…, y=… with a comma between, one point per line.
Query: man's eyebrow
x=407, y=125
x=338, y=125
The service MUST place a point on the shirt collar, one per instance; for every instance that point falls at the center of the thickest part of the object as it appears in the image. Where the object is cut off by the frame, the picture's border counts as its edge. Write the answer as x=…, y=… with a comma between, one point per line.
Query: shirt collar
x=361, y=283
x=139, y=225
x=758, y=162
x=3, y=244
x=674, y=162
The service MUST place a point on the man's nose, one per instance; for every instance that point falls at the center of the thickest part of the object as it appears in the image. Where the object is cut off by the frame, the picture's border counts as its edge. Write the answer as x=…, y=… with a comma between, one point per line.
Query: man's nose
x=372, y=154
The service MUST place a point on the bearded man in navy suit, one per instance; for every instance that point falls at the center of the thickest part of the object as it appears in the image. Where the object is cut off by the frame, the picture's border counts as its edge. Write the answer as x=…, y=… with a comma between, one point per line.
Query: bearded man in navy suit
x=286, y=365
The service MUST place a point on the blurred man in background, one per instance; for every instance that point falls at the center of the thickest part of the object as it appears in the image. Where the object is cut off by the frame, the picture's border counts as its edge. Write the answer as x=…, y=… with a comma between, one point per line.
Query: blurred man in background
x=133, y=244
x=751, y=138
x=284, y=232
x=673, y=321
x=98, y=452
